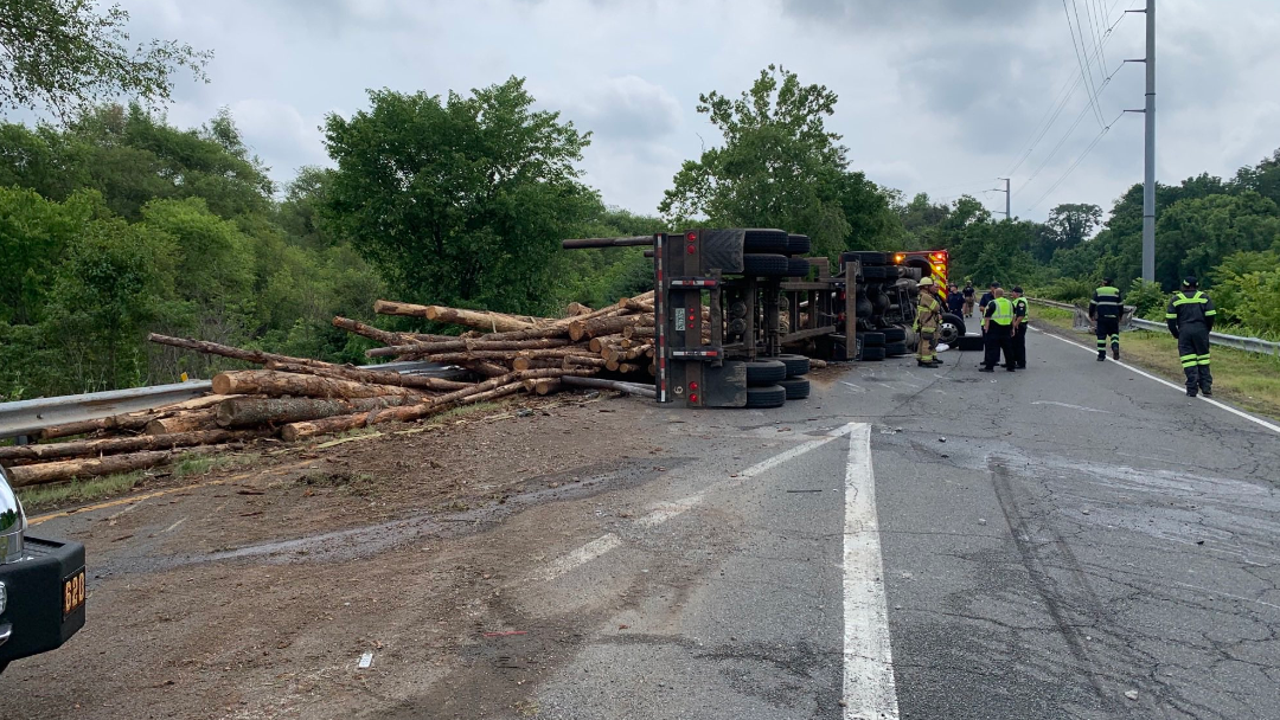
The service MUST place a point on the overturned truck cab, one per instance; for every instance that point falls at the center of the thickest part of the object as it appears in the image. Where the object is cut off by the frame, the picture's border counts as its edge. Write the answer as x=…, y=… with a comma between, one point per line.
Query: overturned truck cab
x=42, y=585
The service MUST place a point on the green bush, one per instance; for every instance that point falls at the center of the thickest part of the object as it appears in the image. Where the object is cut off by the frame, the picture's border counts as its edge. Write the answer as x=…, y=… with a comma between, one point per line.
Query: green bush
x=1149, y=299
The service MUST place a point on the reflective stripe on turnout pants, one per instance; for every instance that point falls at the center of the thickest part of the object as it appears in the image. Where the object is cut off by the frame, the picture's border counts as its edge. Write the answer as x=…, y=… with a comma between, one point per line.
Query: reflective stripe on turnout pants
x=1193, y=352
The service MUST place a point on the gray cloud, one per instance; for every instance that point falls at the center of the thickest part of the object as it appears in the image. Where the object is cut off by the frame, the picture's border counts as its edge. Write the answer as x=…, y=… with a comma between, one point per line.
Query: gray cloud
x=908, y=13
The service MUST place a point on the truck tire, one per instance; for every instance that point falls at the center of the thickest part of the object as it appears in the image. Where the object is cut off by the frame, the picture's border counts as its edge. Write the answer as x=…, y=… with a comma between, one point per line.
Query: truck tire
x=799, y=267
x=866, y=257
x=799, y=245
x=796, y=364
x=951, y=329
x=894, y=334
x=797, y=388
x=896, y=349
x=769, y=396
x=872, y=353
x=761, y=373
x=872, y=339
x=759, y=265
x=760, y=240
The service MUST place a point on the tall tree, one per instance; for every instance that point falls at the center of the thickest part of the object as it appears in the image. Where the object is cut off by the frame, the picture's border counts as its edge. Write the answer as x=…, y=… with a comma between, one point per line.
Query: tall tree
x=459, y=199
x=778, y=166
x=62, y=55
x=1069, y=225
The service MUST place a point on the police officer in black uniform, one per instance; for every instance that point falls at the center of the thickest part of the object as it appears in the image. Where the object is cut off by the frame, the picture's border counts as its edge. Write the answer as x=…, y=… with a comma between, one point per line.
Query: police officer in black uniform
x=1105, y=311
x=1019, y=328
x=1190, y=317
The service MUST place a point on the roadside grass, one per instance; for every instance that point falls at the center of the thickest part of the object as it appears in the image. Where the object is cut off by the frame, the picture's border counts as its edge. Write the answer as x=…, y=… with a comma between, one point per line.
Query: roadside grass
x=189, y=465
x=1248, y=380
x=40, y=497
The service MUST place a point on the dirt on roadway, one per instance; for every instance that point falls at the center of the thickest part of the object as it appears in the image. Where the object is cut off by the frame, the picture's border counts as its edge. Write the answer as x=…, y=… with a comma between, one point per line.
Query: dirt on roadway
x=253, y=592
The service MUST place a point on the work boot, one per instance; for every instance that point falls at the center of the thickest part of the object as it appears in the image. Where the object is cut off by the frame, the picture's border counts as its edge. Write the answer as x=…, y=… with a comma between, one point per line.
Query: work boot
x=1115, y=351
x=984, y=368
x=1207, y=390
x=1102, y=355
x=926, y=363
x=1191, y=392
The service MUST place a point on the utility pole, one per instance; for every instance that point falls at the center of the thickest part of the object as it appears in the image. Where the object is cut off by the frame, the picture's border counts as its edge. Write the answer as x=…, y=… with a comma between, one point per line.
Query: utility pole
x=1007, y=215
x=1149, y=180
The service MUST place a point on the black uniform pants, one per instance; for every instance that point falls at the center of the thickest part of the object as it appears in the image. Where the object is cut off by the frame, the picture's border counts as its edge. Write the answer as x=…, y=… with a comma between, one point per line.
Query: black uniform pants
x=1108, y=329
x=1020, y=346
x=996, y=340
x=1193, y=350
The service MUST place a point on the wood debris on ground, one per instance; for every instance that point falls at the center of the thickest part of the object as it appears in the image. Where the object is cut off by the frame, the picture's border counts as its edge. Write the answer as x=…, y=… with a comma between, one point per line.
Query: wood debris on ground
x=296, y=398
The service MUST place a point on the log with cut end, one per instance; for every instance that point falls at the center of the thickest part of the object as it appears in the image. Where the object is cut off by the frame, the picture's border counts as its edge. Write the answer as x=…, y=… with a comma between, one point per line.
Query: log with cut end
x=374, y=377
x=545, y=386
x=97, y=467
x=600, y=345
x=129, y=422
x=27, y=454
x=613, y=324
x=576, y=308
x=276, y=384
x=239, y=412
x=506, y=384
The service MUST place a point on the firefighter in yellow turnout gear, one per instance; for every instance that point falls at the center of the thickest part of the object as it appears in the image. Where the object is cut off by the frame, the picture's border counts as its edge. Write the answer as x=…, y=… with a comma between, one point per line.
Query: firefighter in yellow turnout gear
x=928, y=316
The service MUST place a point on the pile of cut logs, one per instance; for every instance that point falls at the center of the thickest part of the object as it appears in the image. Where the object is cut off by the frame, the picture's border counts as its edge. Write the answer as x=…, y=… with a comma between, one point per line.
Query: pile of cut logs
x=297, y=398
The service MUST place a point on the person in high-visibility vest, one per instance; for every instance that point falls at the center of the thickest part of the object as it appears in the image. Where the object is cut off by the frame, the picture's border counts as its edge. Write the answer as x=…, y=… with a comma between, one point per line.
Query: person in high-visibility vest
x=1190, y=317
x=1019, y=328
x=928, y=317
x=997, y=331
x=1105, y=311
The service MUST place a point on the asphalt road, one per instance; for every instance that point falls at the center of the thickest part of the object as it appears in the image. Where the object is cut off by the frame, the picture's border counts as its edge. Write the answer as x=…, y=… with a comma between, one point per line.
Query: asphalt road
x=1072, y=541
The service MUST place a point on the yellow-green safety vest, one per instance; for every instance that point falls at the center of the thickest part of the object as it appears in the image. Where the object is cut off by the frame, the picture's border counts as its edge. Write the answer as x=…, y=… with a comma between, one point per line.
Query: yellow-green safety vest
x=1003, y=314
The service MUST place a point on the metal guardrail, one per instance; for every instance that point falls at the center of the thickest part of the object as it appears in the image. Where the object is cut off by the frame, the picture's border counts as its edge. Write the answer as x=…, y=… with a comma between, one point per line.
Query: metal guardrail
x=26, y=417
x=1246, y=344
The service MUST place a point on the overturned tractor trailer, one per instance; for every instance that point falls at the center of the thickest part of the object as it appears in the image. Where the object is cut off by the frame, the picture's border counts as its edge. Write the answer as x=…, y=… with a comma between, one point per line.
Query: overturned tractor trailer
x=739, y=312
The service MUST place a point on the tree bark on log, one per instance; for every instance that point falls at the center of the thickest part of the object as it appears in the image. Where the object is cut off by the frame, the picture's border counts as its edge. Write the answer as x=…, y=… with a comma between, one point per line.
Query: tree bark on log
x=455, y=345
x=520, y=363
x=583, y=361
x=212, y=348
x=275, y=384
x=109, y=465
x=129, y=422
x=185, y=422
x=27, y=454
x=485, y=368
x=545, y=386
x=510, y=382
x=481, y=319
x=384, y=336
x=629, y=388
x=373, y=377
x=256, y=412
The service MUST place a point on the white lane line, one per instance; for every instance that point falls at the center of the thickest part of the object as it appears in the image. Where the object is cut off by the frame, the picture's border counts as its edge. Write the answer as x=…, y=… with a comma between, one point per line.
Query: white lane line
x=1259, y=421
x=1070, y=406
x=869, y=689
x=856, y=388
x=582, y=555
x=794, y=452
x=665, y=511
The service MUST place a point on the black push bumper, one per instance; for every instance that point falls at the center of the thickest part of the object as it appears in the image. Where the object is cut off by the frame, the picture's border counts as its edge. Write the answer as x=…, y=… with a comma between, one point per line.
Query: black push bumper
x=45, y=598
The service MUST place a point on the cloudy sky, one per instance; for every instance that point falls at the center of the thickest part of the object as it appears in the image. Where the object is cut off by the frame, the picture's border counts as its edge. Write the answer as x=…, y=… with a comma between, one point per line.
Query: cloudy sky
x=937, y=96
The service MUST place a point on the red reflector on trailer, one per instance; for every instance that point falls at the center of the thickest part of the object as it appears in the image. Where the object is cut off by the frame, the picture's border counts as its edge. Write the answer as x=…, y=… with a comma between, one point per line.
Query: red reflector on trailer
x=692, y=236
x=693, y=386
x=693, y=398
x=691, y=248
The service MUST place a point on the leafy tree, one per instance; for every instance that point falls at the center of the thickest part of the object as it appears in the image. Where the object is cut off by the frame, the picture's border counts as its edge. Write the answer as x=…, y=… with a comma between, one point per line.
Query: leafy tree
x=459, y=200
x=1263, y=178
x=34, y=234
x=1194, y=235
x=64, y=56
x=778, y=166
x=1069, y=225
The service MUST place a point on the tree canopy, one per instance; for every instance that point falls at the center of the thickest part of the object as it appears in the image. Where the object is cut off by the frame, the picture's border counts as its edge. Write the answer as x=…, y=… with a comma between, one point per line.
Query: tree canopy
x=63, y=56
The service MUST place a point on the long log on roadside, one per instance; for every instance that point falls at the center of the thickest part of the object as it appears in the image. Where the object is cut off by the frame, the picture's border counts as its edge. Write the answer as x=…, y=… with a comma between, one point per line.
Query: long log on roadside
x=485, y=368
x=583, y=361
x=275, y=384
x=520, y=364
x=27, y=454
x=545, y=386
x=510, y=382
x=611, y=325
x=386, y=337
x=212, y=348
x=129, y=422
x=481, y=319
x=374, y=377
x=97, y=467
x=239, y=412
x=464, y=345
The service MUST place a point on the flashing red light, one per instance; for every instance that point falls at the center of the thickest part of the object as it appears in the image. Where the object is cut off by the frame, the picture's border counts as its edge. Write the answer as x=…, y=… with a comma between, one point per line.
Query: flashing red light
x=692, y=236
x=939, y=256
x=693, y=398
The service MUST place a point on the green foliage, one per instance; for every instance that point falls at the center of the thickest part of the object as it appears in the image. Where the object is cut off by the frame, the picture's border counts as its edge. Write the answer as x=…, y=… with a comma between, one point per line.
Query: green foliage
x=1077, y=291
x=1148, y=298
x=780, y=167
x=459, y=200
x=64, y=56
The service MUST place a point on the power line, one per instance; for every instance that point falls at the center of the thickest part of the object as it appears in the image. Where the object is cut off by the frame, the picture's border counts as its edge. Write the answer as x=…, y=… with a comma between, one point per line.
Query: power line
x=1076, y=164
x=1095, y=28
x=1070, y=131
x=1090, y=86
x=1065, y=94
